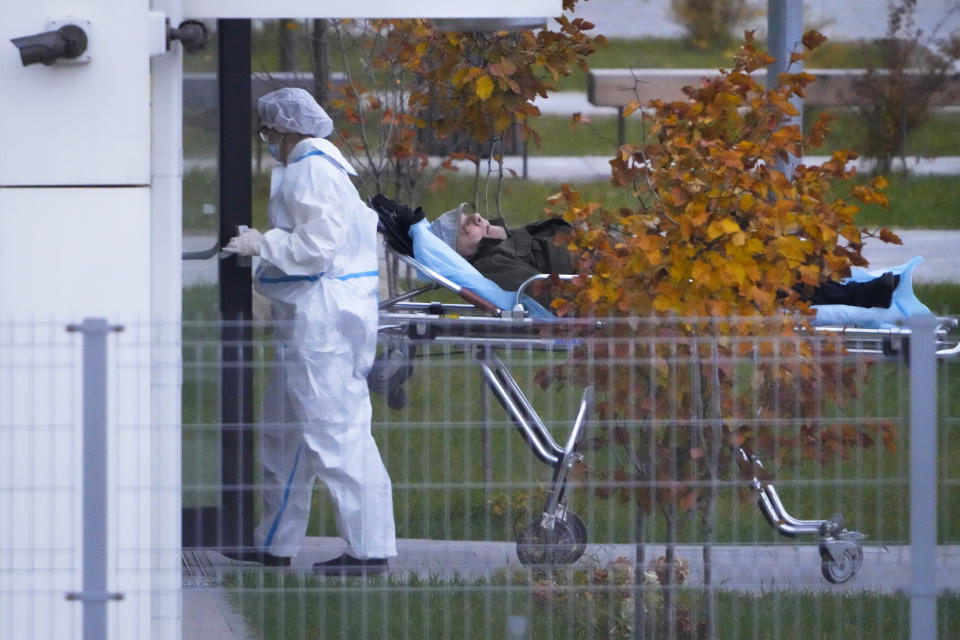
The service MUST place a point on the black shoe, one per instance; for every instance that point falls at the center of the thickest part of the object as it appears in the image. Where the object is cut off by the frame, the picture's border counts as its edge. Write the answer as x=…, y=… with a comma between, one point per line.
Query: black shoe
x=347, y=565
x=884, y=288
x=260, y=557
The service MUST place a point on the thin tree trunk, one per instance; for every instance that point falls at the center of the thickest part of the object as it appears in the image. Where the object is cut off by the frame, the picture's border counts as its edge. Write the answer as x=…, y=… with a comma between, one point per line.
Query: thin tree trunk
x=320, y=60
x=669, y=591
x=476, y=180
x=710, y=614
x=288, y=44
x=639, y=592
x=710, y=514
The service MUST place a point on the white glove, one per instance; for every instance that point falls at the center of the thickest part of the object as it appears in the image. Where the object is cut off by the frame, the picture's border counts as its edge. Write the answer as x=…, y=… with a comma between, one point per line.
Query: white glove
x=245, y=244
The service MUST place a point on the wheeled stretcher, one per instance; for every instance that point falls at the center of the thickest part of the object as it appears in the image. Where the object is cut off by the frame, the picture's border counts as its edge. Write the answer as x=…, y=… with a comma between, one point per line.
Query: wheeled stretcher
x=558, y=535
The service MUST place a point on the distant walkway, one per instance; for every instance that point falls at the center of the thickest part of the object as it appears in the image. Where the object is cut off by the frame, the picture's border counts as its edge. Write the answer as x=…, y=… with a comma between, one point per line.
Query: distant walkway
x=592, y=168
x=838, y=20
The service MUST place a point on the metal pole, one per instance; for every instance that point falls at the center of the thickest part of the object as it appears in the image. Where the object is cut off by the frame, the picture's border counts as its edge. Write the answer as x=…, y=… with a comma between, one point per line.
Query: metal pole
x=236, y=296
x=923, y=476
x=784, y=35
x=486, y=451
x=94, y=595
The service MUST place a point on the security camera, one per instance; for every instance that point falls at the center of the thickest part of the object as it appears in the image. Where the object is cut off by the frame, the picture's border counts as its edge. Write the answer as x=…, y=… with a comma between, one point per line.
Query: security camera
x=69, y=41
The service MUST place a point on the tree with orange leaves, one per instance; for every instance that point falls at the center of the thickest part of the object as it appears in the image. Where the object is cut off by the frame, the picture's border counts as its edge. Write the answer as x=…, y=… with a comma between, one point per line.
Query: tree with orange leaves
x=471, y=89
x=728, y=248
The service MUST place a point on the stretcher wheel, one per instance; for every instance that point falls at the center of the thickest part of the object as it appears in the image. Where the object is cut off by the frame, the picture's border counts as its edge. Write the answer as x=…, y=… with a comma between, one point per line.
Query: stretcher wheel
x=397, y=398
x=839, y=571
x=390, y=369
x=564, y=544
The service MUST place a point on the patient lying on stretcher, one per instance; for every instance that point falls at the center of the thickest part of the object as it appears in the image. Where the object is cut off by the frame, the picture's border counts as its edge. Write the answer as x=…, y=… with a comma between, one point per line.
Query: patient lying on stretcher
x=510, y=255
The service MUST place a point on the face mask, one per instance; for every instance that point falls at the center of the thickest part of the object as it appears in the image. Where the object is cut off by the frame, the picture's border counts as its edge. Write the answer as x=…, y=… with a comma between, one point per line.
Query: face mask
x=274, y=150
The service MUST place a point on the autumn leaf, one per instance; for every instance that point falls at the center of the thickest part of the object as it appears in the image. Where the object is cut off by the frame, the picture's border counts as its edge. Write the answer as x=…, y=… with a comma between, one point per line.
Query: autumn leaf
x=484, y=87
x=503, y=122
x=783, y=104
x=813, y=39
x=631, y=106
x=889, y=236
x=503, y=68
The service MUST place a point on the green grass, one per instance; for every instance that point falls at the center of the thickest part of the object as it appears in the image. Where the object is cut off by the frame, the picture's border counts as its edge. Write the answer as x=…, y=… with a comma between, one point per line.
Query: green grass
x=200, y=397
x=939, y=136
x=576, y=605
x=595, y=136
x=943, y=298
x=916, y=202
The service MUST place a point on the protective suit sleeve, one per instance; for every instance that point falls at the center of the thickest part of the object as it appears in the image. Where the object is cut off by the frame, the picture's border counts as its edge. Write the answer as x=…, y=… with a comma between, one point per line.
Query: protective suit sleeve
x=314, y=194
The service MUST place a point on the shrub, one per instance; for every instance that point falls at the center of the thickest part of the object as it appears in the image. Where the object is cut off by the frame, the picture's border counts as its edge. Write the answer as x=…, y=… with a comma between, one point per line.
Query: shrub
x=724, y=240
x=896, y=96
x=710, y=23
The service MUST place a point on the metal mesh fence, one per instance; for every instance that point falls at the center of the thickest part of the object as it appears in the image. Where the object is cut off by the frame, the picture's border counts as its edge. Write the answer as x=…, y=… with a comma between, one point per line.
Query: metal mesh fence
x=668, y=479
x=692, y=424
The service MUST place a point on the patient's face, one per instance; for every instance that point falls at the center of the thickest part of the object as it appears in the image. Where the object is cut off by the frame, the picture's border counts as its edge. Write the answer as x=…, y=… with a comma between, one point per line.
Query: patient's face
x=473, y=229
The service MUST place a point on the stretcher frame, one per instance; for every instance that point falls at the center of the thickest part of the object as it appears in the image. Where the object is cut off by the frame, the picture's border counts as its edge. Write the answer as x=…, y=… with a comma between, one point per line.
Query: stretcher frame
x=558, y=536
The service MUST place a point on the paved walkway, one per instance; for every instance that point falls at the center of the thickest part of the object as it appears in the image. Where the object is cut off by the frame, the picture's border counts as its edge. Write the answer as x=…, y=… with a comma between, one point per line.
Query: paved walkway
x=838, y=20
x=756, y=569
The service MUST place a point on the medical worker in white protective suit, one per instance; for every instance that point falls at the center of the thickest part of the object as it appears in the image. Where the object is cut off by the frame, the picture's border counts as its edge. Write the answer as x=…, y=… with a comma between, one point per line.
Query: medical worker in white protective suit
x=319, y=270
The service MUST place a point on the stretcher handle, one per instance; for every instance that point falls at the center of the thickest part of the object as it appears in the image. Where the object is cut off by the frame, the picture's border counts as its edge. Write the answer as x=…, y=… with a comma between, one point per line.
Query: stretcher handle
x=541, y=276
x=477, y=301
x=465, y=293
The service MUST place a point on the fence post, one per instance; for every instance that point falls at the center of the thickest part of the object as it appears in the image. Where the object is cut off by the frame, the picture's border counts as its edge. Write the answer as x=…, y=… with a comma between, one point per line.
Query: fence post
x=94, y=595
x=923, y=476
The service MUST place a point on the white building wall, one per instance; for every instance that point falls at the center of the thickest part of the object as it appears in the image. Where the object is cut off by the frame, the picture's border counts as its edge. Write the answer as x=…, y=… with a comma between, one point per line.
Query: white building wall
x=76, y=231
